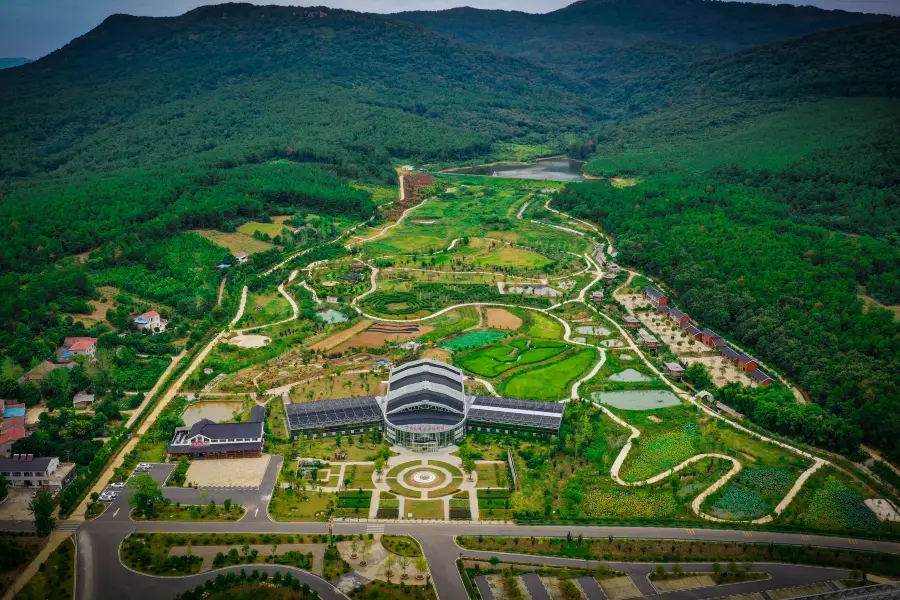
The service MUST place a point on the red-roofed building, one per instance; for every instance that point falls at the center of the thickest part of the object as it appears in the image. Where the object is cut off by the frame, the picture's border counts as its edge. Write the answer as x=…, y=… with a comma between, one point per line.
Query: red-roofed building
x=76, y=346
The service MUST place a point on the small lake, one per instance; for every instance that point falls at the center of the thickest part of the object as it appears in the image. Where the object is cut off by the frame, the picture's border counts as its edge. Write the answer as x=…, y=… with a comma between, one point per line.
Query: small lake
x=214, y=410
x=638, y=400
x=331, y=316
x=553, y=169
x=630, y=375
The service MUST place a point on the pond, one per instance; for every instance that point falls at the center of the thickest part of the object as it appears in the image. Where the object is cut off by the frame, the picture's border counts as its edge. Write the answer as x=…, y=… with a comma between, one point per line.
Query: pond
x=552, y=169
x=638, y=400
x=593, y=330
x=331, y=316
x=630, y=375
x=214, y=410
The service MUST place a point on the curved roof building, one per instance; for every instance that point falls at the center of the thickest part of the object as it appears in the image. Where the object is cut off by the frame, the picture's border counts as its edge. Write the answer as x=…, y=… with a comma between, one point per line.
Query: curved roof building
x=426, y=408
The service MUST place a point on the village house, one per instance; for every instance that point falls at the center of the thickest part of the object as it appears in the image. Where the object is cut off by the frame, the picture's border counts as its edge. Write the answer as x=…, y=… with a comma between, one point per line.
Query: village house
x=150, y=321
x=724, y=408
x=610, y=275
x=631, y=322
x=332, y=299
x=644, y=338
x=674, y=369
x=76, y=346
x=13, y=426
x=678, y=317
x=354, y=277
x=712, y=339
x=693, y=332
x=758, y=377
x=241, y=257
x=83, y=400
x=747, y=362
x=597, y=296
x=207, y=439
x=656, y=297
x=24, y=470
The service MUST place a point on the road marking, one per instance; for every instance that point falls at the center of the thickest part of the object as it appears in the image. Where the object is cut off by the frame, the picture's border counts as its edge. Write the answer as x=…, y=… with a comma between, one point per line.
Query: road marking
x=690, y=531
x=117, y=512
x=853, y=542
x=748, y=534
x=372, y=528
x=805, y=537
x=256, y=513
x=68, y=525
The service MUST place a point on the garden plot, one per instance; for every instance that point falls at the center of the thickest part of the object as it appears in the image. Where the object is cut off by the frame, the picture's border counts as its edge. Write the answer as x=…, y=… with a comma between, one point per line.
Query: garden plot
x=828, y=502
x=341, y=337
x=379, y=334
x=234, y=242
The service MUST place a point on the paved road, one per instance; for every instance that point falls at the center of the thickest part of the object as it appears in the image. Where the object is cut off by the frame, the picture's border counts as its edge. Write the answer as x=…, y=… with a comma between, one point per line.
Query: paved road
x=101, y=575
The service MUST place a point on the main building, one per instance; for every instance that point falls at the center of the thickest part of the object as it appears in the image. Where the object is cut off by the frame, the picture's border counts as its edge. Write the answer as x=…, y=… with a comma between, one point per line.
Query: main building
x=426, y=408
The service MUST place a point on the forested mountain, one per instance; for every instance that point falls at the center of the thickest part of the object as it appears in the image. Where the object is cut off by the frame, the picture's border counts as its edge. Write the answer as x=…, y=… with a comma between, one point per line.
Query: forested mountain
x=603, y=41
x=335, y=85
x=8, y=63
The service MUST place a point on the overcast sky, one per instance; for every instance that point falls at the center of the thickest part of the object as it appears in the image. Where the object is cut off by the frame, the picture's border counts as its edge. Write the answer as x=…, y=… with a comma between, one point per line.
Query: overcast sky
x=32, y=28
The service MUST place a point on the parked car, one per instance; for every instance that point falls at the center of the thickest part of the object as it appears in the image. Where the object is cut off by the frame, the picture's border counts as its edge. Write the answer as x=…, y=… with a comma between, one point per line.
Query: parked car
x=107, y=496
x=118, y=485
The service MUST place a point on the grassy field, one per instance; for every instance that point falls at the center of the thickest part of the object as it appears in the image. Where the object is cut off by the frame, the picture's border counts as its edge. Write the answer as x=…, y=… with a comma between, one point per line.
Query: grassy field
x=56, y=578
x=234, y=242
x=360, y=477
x=494, y=475
x=264, y=307
x=290, y=505
x=550, y=382
x=270, y=229
x=507, y=256
x=544, y=327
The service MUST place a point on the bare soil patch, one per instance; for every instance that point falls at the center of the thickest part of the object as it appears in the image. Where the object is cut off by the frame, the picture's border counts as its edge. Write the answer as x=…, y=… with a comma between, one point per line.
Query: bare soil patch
x=228, y=472
x=438, y=354
x=249, y=341
x=376, y=335
x=338, y=338
x=498, y=318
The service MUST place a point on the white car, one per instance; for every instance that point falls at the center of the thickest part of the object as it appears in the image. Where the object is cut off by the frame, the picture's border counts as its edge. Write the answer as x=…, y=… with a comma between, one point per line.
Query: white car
x=143, y=466
x=117, y=486
x=107, y=497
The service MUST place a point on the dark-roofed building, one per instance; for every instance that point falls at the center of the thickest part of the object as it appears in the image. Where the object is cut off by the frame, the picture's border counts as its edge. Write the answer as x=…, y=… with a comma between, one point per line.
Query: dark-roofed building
x=729, y=353
x=759, y=377
x=645, y=338
x=709, y=337
x=655, y=296
x=674, y=369
x=693, y=331
x=426, y=408
x=208, y=439
x=45, y=472
x=631, y=322
x=678, y=317
x=747, y=362
x=503, y=415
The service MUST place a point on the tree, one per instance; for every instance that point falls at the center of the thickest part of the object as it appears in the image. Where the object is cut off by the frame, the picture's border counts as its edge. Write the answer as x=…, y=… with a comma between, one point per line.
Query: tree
x=379, y=467
x=421, y=565
x=145, y=494
x=468, y=466
x=4, y=487
x=404, y=565
x=41, y=506
x=389, y=566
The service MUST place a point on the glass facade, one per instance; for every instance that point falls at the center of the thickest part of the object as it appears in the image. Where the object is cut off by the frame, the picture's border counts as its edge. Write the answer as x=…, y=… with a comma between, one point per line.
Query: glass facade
x=425, y=437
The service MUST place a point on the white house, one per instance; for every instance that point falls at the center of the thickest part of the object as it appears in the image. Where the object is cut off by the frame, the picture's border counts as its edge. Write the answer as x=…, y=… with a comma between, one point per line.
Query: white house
x=241, y=257
x=24, y=470
x=150, y=321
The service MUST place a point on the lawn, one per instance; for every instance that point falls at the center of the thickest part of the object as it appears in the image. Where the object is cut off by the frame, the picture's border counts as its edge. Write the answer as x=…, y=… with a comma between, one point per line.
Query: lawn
x=550, y=382
x=264, y=307
x=828, y=503
x=424, y=509
x=544, y=327
x=497, y=359
x=471, y=340
x=152, y=452
x=508, y=256
x=234, y=242
x=289, y=505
